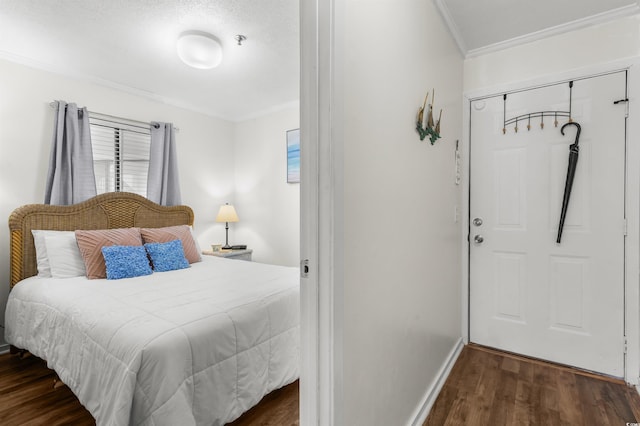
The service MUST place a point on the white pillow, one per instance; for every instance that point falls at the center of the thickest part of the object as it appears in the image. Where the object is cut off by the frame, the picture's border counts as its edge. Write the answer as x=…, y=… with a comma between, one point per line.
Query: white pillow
x=42, y=259
x=64, y=255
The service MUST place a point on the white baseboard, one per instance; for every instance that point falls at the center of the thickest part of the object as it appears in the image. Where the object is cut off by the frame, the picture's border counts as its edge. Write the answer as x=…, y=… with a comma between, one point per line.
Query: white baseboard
x=429, y=398
x=4, y=348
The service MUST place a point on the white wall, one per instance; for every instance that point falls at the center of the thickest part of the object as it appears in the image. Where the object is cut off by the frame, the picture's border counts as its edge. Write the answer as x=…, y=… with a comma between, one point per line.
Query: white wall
x=268, y=206
x=205, y=147
x=402, y=247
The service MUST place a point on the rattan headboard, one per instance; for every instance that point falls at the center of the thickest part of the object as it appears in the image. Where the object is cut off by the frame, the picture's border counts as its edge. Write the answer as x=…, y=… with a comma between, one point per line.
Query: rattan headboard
x=105, y=211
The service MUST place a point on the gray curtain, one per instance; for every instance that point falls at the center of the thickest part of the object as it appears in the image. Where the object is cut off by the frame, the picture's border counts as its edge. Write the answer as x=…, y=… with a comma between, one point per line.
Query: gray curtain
x=163, y=184
x=70, y=179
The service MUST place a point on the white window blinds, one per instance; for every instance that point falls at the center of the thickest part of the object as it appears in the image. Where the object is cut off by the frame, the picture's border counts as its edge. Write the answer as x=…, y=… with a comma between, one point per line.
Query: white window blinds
x=120, y=154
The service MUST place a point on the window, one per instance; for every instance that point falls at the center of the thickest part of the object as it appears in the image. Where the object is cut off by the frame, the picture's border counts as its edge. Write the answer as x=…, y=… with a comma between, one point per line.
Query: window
x=120, y=154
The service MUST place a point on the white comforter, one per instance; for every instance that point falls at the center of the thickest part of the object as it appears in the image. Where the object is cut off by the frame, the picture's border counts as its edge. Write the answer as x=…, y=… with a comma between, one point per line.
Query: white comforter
x=193, y=347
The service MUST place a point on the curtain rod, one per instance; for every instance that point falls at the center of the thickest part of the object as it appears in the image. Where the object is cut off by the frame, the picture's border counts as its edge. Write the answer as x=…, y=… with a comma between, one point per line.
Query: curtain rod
x=98, y=115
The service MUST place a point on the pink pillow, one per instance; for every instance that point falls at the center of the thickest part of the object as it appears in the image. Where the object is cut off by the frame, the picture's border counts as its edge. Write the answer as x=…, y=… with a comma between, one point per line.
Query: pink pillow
x=170, y=233
x=91, y=243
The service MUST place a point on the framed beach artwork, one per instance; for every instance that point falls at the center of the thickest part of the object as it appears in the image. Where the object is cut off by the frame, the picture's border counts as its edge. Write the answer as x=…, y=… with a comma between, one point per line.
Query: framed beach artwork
x=293, y=156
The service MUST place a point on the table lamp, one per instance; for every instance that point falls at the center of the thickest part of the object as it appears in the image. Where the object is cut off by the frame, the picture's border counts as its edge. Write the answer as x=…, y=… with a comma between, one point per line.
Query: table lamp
x=227, y=214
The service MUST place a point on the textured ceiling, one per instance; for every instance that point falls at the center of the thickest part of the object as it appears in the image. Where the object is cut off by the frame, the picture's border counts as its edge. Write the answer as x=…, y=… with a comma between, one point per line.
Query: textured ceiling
x=132, y=44
x=482, y=25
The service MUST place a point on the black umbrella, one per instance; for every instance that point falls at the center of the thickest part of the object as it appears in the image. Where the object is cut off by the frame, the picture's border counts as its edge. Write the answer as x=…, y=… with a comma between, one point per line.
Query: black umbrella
x=573, y=162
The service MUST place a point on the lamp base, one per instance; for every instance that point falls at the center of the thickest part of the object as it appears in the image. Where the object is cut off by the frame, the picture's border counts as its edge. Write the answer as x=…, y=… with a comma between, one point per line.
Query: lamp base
x=226, y=245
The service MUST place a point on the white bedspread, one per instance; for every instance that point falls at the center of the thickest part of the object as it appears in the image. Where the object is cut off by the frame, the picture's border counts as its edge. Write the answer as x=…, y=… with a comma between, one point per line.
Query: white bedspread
x=198, y=346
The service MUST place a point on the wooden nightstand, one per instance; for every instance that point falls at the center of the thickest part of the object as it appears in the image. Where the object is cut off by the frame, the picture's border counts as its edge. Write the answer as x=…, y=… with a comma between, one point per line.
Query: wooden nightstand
x=230, y=254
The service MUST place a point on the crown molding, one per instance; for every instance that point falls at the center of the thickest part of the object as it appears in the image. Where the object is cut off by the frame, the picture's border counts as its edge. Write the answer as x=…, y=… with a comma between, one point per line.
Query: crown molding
x=66, y=72
x=599, y=18
x=451, y=24
x=274, y=109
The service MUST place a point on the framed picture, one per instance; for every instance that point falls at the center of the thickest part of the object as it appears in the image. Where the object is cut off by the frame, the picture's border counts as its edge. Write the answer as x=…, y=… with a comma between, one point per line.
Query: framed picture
x=293, y=156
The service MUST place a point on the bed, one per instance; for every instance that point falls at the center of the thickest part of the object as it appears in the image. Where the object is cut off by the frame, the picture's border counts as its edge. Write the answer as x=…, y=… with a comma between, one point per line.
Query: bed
x=196, y=346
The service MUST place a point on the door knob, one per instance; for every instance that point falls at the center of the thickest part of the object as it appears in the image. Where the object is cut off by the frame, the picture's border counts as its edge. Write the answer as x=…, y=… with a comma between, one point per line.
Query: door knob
x=478, y=239
x=477, y=221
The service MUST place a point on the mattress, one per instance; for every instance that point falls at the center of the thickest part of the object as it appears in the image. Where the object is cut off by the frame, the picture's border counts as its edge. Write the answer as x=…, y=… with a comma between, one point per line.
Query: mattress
x=198, y=346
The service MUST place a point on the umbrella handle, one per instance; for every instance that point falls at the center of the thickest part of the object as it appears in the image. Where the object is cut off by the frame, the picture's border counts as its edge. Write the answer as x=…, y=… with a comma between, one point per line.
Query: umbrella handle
x=579, y=129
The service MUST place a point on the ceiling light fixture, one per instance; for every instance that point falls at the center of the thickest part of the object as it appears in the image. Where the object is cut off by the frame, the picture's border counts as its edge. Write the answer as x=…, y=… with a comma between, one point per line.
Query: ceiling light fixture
x=199, y=49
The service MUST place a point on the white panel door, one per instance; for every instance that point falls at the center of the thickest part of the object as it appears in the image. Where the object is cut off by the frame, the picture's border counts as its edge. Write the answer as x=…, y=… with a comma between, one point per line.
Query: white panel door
x=560, y=302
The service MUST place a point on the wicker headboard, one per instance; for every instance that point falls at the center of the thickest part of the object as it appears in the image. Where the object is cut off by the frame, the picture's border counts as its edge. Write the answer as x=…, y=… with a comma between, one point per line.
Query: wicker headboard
x=105, y=211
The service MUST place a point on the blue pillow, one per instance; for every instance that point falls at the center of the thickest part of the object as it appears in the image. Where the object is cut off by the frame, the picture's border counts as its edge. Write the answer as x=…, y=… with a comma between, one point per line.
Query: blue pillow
x=167, y=256
x=126, y=262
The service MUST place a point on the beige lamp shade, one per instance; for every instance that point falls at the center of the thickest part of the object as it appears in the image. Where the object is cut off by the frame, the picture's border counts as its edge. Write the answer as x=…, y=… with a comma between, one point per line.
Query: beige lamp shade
x=227, y=214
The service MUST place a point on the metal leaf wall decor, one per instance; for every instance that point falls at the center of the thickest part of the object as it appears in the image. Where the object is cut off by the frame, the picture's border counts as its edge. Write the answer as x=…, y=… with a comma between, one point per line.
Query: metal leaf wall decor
x=425, y=125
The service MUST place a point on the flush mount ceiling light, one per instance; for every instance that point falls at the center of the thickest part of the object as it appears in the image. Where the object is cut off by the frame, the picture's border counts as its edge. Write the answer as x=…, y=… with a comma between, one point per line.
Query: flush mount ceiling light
x=199, y=49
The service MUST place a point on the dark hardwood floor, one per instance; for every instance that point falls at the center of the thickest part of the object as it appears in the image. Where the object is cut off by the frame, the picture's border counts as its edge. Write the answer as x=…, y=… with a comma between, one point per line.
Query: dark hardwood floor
x=488, y=387
x=485, y=387
x=279, y=408
x=27, y=397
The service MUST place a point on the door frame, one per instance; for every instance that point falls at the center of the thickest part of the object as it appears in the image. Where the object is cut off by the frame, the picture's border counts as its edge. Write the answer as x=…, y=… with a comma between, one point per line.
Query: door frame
x=321, y=217
x=632, y=199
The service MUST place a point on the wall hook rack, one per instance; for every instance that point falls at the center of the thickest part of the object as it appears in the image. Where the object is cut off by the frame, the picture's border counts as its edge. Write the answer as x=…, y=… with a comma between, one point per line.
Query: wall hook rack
x=538, y=114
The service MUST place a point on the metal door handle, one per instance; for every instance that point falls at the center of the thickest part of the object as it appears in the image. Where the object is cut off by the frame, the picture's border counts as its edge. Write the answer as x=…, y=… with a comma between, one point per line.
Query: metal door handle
x=477, y=221
x=478, y=239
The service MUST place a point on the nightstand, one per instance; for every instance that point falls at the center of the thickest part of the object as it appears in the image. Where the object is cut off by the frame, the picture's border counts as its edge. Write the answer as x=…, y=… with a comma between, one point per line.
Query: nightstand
x=230, y=254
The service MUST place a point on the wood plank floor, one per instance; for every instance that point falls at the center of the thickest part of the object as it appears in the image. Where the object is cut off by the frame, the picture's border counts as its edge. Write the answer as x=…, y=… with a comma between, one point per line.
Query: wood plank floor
x=27, y=397
x=488, y=387
x=485, y=387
